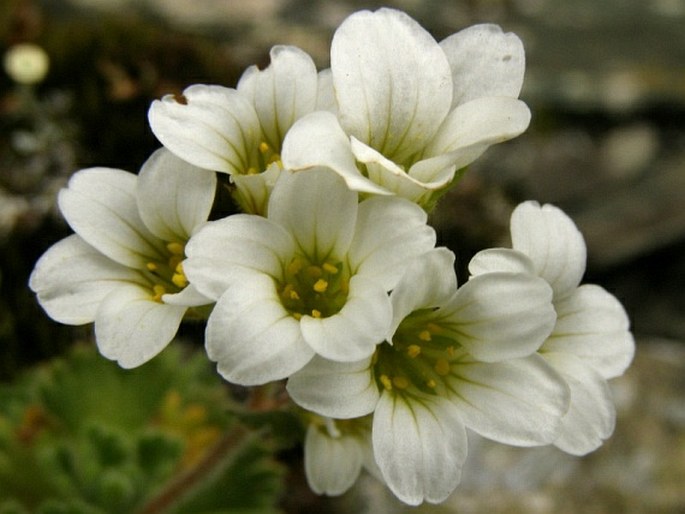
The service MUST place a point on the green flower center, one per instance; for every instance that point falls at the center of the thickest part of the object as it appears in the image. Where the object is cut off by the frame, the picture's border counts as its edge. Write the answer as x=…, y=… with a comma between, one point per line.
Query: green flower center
x=167, y=274
x=420, y=357
x=311, y=289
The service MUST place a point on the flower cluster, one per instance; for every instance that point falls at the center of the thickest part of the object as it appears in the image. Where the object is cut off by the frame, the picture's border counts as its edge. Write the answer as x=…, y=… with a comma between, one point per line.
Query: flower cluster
x=330, y=278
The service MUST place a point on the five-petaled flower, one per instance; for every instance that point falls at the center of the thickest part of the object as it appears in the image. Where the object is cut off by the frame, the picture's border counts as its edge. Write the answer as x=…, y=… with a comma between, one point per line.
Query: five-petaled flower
x=240, y=131
x=591, y=341
x=411, y=112
x=311, y=278
x=455, y=358
x=123, y=269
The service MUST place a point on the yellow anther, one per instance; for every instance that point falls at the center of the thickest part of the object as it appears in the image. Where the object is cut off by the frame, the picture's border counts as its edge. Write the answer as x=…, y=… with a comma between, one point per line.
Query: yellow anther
x=387, y=383
x=434, y=329
x=264, y=147
x=295, y=266
x=314, y=271
x=431, y=383
x=292, y=294
x=442, y=367
x=251, y=171
x=413, y=350
x=179, y=280
x=344, y=286
x=297, y=316
x=320, y=286
x=329, y=268
x=316, y=314
x=400, y=382
x=151, y=266
x=425, y=335
x=175, y=248
x=158, y=291
x=275, y=158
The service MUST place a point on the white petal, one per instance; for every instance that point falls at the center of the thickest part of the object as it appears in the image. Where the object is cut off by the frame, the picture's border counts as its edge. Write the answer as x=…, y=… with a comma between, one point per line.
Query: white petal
x=390, y=232
x=484, y=62
x=214, y=128
x=339, y=390
x=231, y=245
x=552, y=241
x=476, y=125
x=518, y=401
x=72, y=278
x=318, y=209
x=390, y=176
x=131, y=328
x=500, y=259
x=429, y=281
x=253, y=191
x=100, y=205
x=500, y=315
x=392, y=81
x=282, y=93
x=318, y=140
x=332, y=464
x=174, y=197
x=251, y=337
x=593, y=325
x=591, y=416
x=325, y=99
x=420, y=447
x=353, y=333
x=188, y=297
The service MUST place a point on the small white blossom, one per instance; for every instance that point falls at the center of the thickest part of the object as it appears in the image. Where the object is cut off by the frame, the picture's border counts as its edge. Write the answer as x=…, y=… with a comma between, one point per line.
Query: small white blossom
x=240, y=131
x=411, y=112
x=591, y=341
x=312, y=277
x=456, y=358
x=335, y=451
x=123, y=269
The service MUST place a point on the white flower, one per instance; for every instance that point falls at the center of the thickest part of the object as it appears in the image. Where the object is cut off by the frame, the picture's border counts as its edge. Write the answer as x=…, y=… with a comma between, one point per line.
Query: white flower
x=411, y=112
x=240, y=131
x=311, y=278
x=591, y=341
x=456, y=358
x=123, y=268
x=335, y=451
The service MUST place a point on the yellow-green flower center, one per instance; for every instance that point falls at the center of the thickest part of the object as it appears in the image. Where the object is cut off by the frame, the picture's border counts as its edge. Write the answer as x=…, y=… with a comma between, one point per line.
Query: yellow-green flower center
x=420, y=357
x=265, y=156
x=314, y=289
x=166, y=274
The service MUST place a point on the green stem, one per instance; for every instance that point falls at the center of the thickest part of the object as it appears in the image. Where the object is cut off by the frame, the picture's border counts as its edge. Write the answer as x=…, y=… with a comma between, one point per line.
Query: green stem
x=182, y=484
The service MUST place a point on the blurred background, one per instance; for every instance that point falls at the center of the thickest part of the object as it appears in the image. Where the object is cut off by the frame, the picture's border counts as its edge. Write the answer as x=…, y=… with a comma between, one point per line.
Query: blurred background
x=605, y=81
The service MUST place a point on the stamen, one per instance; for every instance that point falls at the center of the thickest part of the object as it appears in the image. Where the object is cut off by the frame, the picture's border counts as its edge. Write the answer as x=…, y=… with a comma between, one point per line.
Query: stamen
x=330, y=268
x=151, y=266
x=442, y=367
x=431, y=383
x=264, y=147
x=434, y=329
x=295, y=266
x=387, y=383
x=425, y=335
x=158, y=291
x=413, y=350
x=320, y=286
x=175, y=248
x=400, y=382
x=314, y=271
x=292, y=294
x=179, y=278
x=316, y=314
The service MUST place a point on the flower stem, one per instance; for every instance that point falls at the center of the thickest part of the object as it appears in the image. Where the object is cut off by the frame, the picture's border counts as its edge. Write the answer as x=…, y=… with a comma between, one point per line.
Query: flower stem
x=184, y=483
